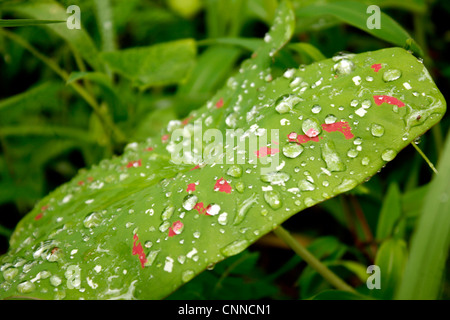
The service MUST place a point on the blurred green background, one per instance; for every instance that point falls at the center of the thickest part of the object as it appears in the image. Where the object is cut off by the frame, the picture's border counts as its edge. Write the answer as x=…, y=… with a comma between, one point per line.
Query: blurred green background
x=48, y=131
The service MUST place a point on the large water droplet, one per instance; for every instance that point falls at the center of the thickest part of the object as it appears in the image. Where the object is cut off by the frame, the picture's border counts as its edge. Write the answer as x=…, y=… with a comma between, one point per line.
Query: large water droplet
x=187, y=275
x=92, y=220
x=286, y=102
x=311, y=127
x=275, y=177
x=346, y=185
x=164, y=226
x=331, y=157
x=234, y=248
x=189, y=202
x=26, y=287
x=213, y=209
x=305, y=185
x=167, y=212
x=365, y=161
x=344, y=66
x=273, y=199
x=244, y=207
x=292, y=150
x=55, y=280
x=391, y=75
x=10, y=273
x=235, y=171
x=388, y=154
x=377, y=130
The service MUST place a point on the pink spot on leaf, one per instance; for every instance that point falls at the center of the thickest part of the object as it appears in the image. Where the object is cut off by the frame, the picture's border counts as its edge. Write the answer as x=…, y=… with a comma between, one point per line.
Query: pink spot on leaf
x=222, y=185
x=294, y=137
x=376, y=67
x=186, y=121
x=196, y=167
x=148, y=149
x=219, y=103
x=39, y=216
x=134, y=164
x=200, y=208
x=176, y=228
x=139, y=251
x=342, y=127
x=191, y=187
x=265, y=151
x=165, y=138
x=389, y=100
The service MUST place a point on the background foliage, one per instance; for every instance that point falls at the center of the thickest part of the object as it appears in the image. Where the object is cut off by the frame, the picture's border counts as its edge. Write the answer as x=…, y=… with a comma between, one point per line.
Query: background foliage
x=49, y=129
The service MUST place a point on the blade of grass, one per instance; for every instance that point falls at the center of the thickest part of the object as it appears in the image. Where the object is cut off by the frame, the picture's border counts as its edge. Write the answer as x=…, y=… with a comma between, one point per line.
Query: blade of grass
x=424, y=157
x=312, y=261
x=431, y=240
x=26, y=22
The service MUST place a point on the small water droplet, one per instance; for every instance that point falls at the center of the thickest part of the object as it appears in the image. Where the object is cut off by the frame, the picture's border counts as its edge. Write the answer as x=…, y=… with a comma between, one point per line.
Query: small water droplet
x=352, y=153
x=239, y=186
x=391, y=75
x=55, y=280
x=244, y=207
x=213, y=209
x=285, y=103
x=316, y=109
x=164, y=226
x=235, y=171
x=388, y=154
x=92, y=220
x=234, y=248
x=232, y=119
x=331, y=118
x=10, y=273
x=377, y=130
x=168, y=211
x=292, y=150
x=273, y=199
x=222, y=219
x=189, y=202
x=365, y=161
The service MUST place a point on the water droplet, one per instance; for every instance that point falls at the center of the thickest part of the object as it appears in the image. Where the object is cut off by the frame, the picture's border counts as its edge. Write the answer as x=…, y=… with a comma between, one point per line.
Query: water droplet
x=352, y=153
x=365, y=161
x=273, y=199
x=168, y=211
x=357, y=141
x=388, y=154
x=366, y=104
x=148, y=244
x=377, y=130
x=10, y=273
x=239, y=186
x=354, y=103
x=26, y=287
x=309, y=202
x=311, y=127
x=292, y=150
x=164, y=226
x=391, y=75
x=331, y=118
x=275, y=177
x=92, y=220
x=305, y=185
x=244, y=207
x=213, y=209
x=235, y=171
x=55, y=280
x=286, y=102
x=231, y=119
x=344, y=66
x=234, y=248
x=331, y=157
x=346, y=185
x=222, y=219
x=316, y=109
x=189, y=202
x=187, y=275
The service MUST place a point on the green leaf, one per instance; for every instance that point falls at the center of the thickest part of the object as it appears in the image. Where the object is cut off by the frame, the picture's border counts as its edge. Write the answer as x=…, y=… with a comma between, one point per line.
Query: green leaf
x=391, y=258
x=142, y=224
x=26, y=22
x=161, y=64
x=354, y=13
x=339, y=295
x=307, y=49
x=431, y=240
x=79, y=40
x=390, y=213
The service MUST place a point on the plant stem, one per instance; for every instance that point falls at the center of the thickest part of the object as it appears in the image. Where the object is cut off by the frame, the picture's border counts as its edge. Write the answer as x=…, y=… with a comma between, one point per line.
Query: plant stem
x=424, y=157
x=315, y=263
x=107, y=124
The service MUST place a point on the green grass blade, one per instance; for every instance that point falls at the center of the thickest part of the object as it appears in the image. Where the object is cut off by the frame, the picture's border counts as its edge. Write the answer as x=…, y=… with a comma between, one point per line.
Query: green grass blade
x=390, y=213
x=430, y=243
x=26, y=22
x=354, y=13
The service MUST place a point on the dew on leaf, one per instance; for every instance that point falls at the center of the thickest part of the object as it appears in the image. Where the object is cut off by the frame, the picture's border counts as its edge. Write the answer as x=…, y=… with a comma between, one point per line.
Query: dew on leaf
x=189, y=202
x=331, y=157
x=345, y=185
x=377, y=130
x=391, y=75
x=388, y=154
x=344, y=66
x=275, y=177
x=365, y=161
x=235, y=171
x=292, y=150
x=26, y=287
x=316, y=109
x=311, y=127
x=234, y=248
x=305, y=185
x=187, y=275
x=168, y=211
x=273, y=199
x=244, y=207
x=331, y=118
